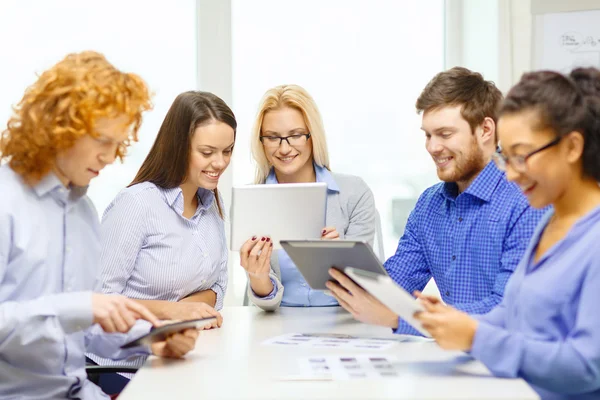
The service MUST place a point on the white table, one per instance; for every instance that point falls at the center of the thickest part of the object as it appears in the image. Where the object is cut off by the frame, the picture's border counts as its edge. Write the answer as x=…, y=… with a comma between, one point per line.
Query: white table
x=230, y=363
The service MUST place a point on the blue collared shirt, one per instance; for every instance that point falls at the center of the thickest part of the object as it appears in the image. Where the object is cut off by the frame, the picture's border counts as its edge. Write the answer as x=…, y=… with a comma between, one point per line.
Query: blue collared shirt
x=297, y=292
x=470, y=243
x=150, y=251
x=49, y=248
x=547, y=328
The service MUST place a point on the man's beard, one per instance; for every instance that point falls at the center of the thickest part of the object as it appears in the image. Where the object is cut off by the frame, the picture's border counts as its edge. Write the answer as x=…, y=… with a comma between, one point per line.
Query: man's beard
x=466, y=167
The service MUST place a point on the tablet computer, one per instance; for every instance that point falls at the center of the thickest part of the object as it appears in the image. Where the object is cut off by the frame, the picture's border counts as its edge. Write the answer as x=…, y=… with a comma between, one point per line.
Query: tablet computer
x=162, y=332
x=314, y=258
x=283, y=211
x=384, y=289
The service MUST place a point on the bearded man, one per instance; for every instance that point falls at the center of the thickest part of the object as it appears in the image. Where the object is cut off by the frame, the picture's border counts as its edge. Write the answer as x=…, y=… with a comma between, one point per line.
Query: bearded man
x=469, y=231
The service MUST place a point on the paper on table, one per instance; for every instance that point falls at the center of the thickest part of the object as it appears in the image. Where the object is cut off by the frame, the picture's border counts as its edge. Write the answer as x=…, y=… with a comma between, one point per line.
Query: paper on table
x=349, y=367
x=330, y=340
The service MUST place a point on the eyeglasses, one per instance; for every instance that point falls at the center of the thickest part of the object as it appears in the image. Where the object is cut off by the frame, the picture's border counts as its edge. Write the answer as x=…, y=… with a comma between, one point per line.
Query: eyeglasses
x=292, y=140
x=519, y=163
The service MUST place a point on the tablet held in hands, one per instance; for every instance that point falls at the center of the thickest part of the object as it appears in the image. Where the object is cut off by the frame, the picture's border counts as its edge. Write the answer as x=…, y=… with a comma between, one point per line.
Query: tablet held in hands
x=159, y=334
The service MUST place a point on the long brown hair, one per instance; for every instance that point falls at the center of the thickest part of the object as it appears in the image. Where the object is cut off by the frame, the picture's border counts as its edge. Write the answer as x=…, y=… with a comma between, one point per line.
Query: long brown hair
x=167, y=163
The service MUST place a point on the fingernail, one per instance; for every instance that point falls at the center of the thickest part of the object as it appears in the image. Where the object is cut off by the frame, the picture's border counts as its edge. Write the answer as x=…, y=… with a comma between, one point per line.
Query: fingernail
x=271, y=244
x=268, y=239
x=324, y=231
x=253, y=237
x=263, y=239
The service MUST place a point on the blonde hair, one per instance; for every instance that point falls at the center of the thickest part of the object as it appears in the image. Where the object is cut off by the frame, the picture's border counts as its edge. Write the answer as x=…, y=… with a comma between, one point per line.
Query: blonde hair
x=63, y=105
x=292, y=96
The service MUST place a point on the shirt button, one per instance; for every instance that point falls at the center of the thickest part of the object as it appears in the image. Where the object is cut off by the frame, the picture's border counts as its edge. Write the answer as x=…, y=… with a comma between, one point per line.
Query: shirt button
x=304, y=284
x=203, y=280
x=447, y=293
x=204, y=254
x=453, y=258
x=460, y=219
x=68, y=249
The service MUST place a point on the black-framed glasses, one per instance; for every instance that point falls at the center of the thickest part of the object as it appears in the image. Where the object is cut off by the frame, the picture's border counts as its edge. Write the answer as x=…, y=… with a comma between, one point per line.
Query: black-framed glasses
x=298, y=139
x=519, y=163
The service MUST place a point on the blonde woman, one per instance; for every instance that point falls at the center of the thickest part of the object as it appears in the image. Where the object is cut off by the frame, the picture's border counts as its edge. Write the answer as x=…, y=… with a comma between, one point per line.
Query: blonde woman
x=289, y=146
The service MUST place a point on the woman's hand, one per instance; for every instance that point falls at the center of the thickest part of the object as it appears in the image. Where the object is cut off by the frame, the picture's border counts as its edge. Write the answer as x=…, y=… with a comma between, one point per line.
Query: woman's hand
x=329, y=233
x=185, y=310
x=452, y=329
x=255, y=257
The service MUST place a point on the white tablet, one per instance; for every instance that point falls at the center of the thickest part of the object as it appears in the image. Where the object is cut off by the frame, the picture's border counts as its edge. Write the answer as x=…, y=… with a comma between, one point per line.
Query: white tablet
x=389, y=293
x=281, y=211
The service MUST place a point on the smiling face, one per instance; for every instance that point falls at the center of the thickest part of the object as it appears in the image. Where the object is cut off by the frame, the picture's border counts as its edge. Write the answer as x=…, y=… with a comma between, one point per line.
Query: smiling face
x=548, y=172
x=452, y=145
x=289, y=161
x=212, y=146
x=90, y=154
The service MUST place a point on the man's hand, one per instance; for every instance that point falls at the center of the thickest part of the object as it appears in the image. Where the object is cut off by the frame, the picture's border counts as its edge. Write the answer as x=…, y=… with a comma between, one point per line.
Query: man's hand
x=452, y=329
x=177, y=345
x=116, y=313
x=359, y=303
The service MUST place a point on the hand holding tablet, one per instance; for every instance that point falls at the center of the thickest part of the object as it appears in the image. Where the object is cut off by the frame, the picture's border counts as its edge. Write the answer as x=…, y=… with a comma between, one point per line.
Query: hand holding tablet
x=384, y=289
x=161, y=333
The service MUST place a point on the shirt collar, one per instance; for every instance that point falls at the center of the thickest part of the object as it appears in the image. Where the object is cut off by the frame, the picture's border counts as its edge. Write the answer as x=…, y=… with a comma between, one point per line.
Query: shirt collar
x=50, y=184
x=482, y=187
x=322, y=175
x=172, y=195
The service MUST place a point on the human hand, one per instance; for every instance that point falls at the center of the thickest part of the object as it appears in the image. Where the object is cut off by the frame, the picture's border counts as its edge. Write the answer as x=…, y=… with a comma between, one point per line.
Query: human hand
x=361, y=304
x=185, y=310
x=425, y=297
x=255, y=258
x=452, y=329
x=176, y=345
x=329, y=233
x=116, y=313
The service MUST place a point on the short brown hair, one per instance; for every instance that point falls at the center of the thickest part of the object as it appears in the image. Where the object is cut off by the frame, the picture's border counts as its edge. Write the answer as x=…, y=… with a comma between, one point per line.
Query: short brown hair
x=63, y=105
x=460, y=86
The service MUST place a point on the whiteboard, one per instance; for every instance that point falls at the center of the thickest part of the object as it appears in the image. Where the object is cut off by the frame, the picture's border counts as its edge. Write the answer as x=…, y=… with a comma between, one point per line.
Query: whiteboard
x=563, y=41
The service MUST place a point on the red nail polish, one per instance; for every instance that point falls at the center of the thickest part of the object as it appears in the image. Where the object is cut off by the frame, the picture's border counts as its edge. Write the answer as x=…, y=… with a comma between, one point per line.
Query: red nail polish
x=324, y=231
x=253, y=237
x=268, y=239
x=263, y=239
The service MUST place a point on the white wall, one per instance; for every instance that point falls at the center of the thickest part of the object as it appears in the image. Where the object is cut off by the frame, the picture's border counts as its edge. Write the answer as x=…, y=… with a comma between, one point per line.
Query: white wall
x=154, y=41
x=365, y=64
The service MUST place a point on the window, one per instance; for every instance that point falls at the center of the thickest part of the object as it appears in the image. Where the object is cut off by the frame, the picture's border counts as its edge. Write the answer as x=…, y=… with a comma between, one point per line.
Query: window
x=156, y=42
x=365, y=63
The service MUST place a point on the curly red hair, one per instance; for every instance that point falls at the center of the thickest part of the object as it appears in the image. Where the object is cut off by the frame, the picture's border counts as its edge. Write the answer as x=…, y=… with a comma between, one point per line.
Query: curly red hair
x=62, y=106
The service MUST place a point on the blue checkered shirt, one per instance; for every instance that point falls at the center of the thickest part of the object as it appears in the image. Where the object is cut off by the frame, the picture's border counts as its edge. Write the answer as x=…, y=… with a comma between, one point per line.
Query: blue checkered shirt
x=470, y=243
